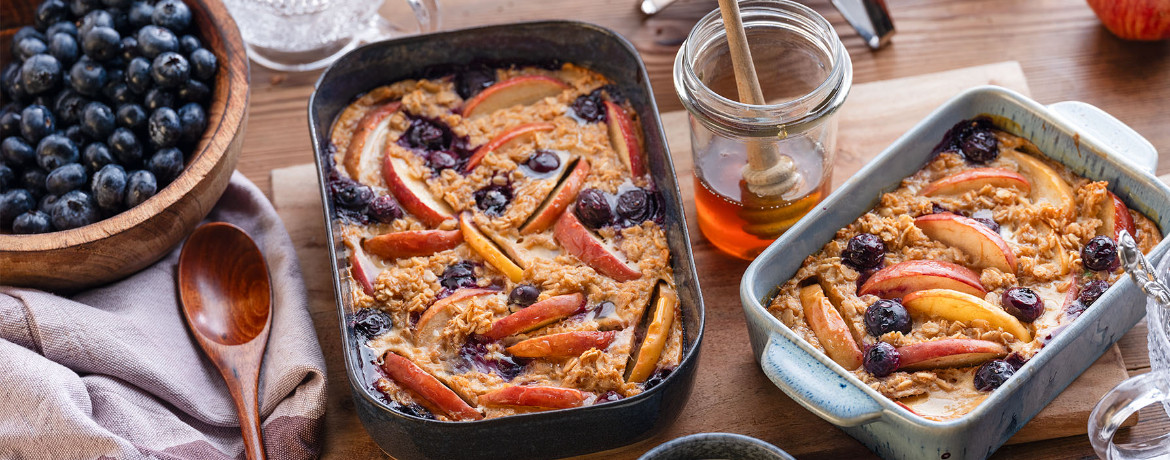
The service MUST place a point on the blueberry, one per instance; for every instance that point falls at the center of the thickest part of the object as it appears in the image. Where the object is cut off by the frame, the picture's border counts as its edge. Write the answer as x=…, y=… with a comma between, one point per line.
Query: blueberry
x=63, y=27
x=166, y=164
x=29, y=47
x=441, y=160
x=50, y=13
x=121, y=20
x=10, y=82
x=1091, y=291
x=140, y=186
x=656, y=379
x=26, y=32
x=119, y=4
x=980, y=146
x=102, y=43
x=31, y=222
x=203, y=64
x=424, y=134
x=881, y=359
x=593, y=208
x=131, y=116
x=64, y=47
x=543, y=161
x=69, y=106
x=157, y=98
x=109, y=187
x=33, y=180
x=17, y=152
x=74, y=134
x=55, y=151
x=95, y=18
x=119, y=93
x=47, y=202
x=96, y=155
x=126, y=147
x=635, y=206
x=10, y=123
x=371, y=323
x=887, y=316
x=137, y=75
x=194, y=91
x=1023, y=303
x=493, y=199
x=470, y=82
x=140, y=14
x=80, y=8
x=589, y=107
x=155, y=40
x=863, y=251
x=172, y=14
x=40, y=73
x=384, y=209
x=129, y=48
x=14, y=203
x=458, y=275
x=7, y=178
x=523, y=295
x=992, y=374
x=189, y=43
x=66, y=178
x=74, y=209
x=164, y=128
x=351, y=195
x=1100, y=254
x=170, y=69
x=97, y=120
x=88, y=77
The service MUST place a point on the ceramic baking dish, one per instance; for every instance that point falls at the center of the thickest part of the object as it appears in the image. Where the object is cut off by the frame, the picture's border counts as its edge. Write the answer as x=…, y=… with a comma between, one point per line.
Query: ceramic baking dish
x=536, y=435
x=1087, y=140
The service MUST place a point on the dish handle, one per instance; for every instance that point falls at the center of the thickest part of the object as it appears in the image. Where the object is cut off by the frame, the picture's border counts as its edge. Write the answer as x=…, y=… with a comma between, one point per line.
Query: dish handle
x=816, y=386
x=1111, y=132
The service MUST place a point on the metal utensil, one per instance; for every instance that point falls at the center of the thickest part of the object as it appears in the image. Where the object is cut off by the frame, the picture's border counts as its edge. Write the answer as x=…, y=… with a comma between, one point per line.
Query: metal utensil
x=871, y=18
x=1142, y=273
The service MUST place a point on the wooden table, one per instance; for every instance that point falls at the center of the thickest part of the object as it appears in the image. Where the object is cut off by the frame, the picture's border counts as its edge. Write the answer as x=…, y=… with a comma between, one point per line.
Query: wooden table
x=1065, y=54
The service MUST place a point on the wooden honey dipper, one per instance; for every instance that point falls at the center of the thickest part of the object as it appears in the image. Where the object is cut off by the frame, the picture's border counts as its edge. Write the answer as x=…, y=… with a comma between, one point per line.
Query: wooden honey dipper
x=768, y=172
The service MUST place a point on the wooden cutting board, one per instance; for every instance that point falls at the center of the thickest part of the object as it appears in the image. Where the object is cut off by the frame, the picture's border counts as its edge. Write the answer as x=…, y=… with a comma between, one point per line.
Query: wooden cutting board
x=731, y=393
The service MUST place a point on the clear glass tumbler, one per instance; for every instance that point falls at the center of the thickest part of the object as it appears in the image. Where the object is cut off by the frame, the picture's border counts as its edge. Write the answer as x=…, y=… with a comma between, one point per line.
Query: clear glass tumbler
x=299, y=35
x=805, y=74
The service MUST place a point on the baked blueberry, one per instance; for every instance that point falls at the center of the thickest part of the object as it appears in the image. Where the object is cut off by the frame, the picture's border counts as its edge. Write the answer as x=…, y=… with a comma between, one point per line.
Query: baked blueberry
x=164, y=128
x=424, y=134
x=16, y=151
x=593, y=208
x=166, y=164
x=980, y=146
x=109, y=187
x=1100, y=254
x=493, y=200
x=66, y=178
x=192, y=122
x=157, y=98
x=470, y=82
x=28, y=47
x=887, y=315
x=131, y=116
x=523, y=295
x=55, y=151
x=74, y=209
x=543, y=161
x=864, y=250
x=137, y=75
x=384, y=209
x=126, y=147
x=102, y=43
x=203, y=64
x=97, y=120
x=881, y=359
x=172, y=14
x=65, y=48
x=170, y=69
x=351, y=195
x=371, y=322
x=96, y=155
x=589, y=107
x=40, y=74
x=194, y=91
x=88, y=77
x=49, y=13
x=31, y=222
x=61, y=27
x=635, y=206
x=1023, y=303
x=986, y=218
x=140, y=14
x=14, y=203
x=140, y=186
x=155, y=40
x=440, y=160
x=458, y=275
x=188, y=44
x=993, y=374
x=95, y=18
x=129, y=48
x=1091, y=291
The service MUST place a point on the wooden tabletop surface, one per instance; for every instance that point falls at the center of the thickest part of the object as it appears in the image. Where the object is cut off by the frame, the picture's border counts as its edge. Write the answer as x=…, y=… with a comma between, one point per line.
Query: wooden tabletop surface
x=1064, y=51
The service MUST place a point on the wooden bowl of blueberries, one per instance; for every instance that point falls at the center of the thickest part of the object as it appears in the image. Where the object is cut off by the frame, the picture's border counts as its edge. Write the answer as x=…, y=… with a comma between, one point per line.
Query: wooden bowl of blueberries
x=121, y=122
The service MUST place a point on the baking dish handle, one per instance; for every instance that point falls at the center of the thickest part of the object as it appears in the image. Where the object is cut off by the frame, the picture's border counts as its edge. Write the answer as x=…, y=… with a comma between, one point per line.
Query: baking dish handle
x=815, y=386
x=1111, y=132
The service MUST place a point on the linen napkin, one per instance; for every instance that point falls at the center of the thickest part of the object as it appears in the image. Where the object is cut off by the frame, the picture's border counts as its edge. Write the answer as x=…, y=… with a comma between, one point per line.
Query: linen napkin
x=114, y=372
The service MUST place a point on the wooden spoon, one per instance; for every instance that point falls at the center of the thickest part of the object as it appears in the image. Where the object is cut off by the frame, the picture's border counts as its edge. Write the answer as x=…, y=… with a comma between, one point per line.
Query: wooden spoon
x=227, y=299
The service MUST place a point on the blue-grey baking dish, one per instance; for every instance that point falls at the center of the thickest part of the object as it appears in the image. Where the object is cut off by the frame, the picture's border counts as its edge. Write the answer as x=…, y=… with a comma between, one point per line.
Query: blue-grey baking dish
x=537, y=435
x=1091, y=143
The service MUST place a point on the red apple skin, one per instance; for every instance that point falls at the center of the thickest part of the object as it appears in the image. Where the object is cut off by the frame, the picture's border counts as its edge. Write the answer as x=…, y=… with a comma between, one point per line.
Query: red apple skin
x=370, y=121
x=406, y=197
x=579, y=241
x=560, y=199
x=563, y=345
x=538, y=314
x=412, y=243
x=362, y=270
x=1146, y=20
x=502, y=139
x=948, y=353
x=993, y=251
x=521, y=90
x=1115, y=217
x=895, y=281
x=536, y=397
x=975, y=178
x=413, y=378
x=623, y=138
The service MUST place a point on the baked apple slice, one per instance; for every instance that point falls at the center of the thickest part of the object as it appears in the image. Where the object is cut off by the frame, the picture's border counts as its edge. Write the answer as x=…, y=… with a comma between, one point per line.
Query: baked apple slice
x=512, y=136
x=413, y=378
x=1047, y=185
x=413, y=194
x=624, y=139
x=959, y=306
x=488, y=250
x=1115, y=217
x=522, y=90
x=985, y=247
x=536, y=397
x=541, y=313
x=559, y=200
x=562, y=345
x=829, y=327
x=369, y=140
x=975, y=179
x=522, y=256
x=643, y=363
x=600, y=255
x=435, y=318
x=895, y=281
x=944, y=353
x=362, y=269
x=412, y=243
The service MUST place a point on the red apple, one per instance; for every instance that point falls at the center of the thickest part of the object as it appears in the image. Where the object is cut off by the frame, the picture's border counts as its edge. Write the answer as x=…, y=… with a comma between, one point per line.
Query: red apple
x=1047, y=185
x=985, y=246
x=960, y=306
x=645, y=361
x=561, y=197
x=895, y=281
x=538, y=314
x=975, y=179
x=1115, y=217
x=413, y=194
x=413, y=378
x=563, y=345
x=624, y=139
x=580, y=242
x=488, y=250
x=829, y=327
x=536, y=397
x=366, y=145
x=412, y=243
x=513, y=135
x=363, y=270
x=436, y=317
x=1134, y=19
x=948, y=353
x=522, y=90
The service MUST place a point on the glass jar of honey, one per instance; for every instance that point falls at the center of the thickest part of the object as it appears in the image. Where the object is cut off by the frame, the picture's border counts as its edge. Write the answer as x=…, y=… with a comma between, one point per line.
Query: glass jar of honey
x=805, y=73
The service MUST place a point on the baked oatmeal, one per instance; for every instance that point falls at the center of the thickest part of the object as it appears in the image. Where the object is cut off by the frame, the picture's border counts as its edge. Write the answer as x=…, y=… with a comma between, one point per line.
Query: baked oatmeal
x=940, y=293
x=505, y=243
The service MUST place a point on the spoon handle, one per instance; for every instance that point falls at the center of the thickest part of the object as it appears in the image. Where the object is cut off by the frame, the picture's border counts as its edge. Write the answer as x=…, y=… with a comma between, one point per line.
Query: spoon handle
x=245, y=389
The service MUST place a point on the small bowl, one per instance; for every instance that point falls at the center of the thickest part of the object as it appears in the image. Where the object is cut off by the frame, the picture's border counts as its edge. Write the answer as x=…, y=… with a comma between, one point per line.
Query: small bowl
x=716, y=445
x=123, y=244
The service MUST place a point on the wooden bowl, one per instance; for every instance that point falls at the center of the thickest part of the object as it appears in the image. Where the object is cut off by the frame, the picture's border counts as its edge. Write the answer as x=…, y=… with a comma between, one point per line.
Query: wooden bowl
x=116, y=247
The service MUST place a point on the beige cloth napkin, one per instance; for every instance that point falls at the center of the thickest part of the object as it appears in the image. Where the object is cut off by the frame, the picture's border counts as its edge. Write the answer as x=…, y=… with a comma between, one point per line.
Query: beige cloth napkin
x=114, y=372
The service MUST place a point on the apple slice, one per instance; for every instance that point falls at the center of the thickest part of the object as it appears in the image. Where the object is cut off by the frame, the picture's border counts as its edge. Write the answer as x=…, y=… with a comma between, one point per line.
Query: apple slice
x=830, y=329
x=944, y=353
x=624, y=139
x=522, y=90
x=486, y=249
x=895, y=281
x=436, y=317
x=1047, y=185
x=563, y=345
x=509, y=137
x=960, y=306
x=523, y=257
x=1115, y=217
x=369, y=140
x=412, y=243
x=412, y=193
x=603, y=257
x=362, y=269
x=985, y=246
x=657, y=334
x=559, y=200
x=413, y=378
x=975, y=179
x=536, y=397
x=538, y=314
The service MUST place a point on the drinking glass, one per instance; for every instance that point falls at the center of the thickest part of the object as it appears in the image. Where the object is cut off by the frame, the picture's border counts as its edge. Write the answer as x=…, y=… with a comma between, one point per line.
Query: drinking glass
x=299, y=35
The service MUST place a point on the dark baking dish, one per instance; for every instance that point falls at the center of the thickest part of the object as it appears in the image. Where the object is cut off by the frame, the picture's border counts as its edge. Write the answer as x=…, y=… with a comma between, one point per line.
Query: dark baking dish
x=550, y=434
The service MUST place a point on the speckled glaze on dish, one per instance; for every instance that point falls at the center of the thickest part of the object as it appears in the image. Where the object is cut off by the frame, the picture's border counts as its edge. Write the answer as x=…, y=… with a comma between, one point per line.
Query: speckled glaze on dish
x=559, y=433
x=1103, y=149
x=716, y=445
